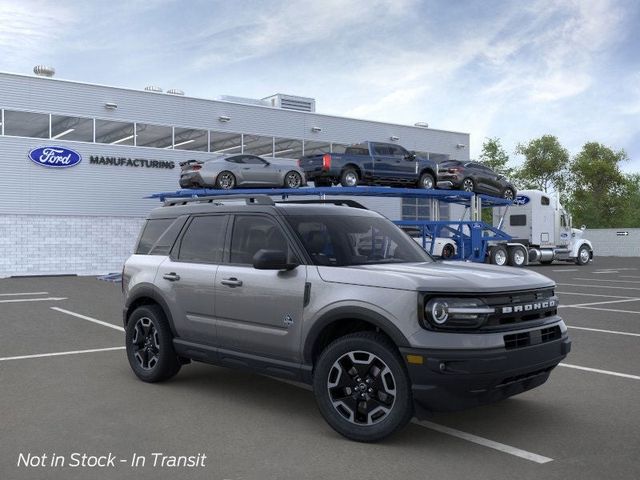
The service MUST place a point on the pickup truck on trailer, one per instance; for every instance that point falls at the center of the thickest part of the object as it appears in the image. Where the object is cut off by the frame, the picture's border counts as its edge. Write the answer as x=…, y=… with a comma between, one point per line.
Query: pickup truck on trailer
x=370, y=163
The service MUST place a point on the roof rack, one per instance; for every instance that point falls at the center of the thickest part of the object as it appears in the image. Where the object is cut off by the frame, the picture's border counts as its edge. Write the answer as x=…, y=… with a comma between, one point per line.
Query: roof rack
x=339, y=202
x=220, y=199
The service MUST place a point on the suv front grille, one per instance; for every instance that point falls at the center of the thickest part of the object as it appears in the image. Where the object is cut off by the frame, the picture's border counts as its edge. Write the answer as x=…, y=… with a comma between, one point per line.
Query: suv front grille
x=518, y=307
x=534, y=337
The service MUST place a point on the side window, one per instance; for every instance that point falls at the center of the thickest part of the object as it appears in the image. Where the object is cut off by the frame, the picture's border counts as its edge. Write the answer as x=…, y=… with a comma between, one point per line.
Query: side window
x=253, y=233
x=151, y=233
x=381, y=149
x=203, y=241
x=544, y=200
x=398, y=151
x=518, y=220
x=251, y=160
x=238, y=159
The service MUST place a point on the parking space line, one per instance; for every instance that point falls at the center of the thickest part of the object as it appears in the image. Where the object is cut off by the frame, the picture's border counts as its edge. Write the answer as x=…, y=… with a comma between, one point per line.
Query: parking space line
x=58, y=354
x=599, y=303
x=19, y=300
x=485, y=442
x=605, y=331
x=608, y=310
x=596, y=286
x=567, y=270
x=596, y=370
x=534, y=457
x=89, y=319
x=629, y=276
x=23, y=293
x=594, y=295
x=611, y=281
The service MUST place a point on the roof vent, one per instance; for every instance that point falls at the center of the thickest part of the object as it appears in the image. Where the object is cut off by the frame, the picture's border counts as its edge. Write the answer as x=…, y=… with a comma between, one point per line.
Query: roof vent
x=44, y=71
x=291, y=102
x=175, y=91
x=153, y=88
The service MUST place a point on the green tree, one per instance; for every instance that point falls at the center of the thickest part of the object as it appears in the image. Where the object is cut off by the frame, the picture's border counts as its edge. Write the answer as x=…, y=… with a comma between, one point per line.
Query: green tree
x=546, y=164
x=495, y=157
x=601, y=193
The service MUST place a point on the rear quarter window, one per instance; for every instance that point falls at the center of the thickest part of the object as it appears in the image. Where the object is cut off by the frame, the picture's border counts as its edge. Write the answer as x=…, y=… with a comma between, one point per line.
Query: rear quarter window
x=151, y=232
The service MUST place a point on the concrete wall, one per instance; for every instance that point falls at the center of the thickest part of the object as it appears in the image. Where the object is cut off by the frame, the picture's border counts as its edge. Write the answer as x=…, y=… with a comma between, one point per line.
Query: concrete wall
x=607, y=242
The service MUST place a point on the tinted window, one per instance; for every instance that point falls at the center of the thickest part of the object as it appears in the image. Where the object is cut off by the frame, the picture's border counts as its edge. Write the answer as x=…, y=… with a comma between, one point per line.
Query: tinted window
x=253, y=233
x=382, y=150
x=151, y=233
x=397, y=151
x=518, y=220
x=251, y=160
x=204, y=240
x=544, y=201
x=164, y=244
x=26, y=124
x=341, y=240
x=239, y=159
x=357, y=151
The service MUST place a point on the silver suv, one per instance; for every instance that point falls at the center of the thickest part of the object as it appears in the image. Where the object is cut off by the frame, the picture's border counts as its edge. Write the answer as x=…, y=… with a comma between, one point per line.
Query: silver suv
x=339, y=298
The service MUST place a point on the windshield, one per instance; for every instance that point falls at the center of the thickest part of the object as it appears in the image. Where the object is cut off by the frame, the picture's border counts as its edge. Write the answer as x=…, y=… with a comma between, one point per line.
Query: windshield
x=344, y=240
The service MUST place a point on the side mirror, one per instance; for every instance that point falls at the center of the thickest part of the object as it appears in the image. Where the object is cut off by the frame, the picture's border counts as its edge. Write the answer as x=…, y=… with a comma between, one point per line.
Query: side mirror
x=272, y=260
x=583, y=227
x=410, y=156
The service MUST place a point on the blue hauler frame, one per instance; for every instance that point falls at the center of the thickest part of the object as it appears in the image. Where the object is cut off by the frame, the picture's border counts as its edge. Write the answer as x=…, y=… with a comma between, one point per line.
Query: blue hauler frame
x=472, y=237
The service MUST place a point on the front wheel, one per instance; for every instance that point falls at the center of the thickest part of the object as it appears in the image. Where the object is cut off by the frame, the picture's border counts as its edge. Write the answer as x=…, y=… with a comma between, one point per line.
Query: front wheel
x=426, y=181
x=584, y=255
x=362, y=387
x=508, y=194
x=293, y=179
x=149, y=345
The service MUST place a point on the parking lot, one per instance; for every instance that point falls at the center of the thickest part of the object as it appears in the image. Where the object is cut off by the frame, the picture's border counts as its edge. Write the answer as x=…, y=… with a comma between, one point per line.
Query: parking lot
x=66, y=387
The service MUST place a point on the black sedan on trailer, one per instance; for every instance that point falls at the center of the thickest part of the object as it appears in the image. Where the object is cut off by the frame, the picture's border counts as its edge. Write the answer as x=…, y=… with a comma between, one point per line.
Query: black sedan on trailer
x=474, y=177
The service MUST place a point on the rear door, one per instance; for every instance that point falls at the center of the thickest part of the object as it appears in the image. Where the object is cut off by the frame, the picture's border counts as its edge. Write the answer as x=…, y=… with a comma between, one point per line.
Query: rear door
x=187, y=277
x=259, y=311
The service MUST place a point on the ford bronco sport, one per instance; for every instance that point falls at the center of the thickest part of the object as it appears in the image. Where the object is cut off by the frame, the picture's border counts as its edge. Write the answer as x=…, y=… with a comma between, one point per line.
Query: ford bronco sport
x=339, y=298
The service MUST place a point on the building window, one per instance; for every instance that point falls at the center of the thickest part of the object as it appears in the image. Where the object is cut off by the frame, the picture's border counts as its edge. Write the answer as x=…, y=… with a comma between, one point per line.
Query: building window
x=287, y=148
x=191, y=139
x=225, y=143
x=72, y=128
x=26, y=124
x=115, y=133
x=156, y=136
x=257, y=145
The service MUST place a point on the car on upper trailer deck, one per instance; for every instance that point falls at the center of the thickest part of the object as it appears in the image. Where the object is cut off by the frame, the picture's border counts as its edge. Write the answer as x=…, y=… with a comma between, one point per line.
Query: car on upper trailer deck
x=474, y=177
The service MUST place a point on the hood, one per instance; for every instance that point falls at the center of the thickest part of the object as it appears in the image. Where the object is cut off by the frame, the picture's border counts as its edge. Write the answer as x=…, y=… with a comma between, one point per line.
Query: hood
x=438, y=277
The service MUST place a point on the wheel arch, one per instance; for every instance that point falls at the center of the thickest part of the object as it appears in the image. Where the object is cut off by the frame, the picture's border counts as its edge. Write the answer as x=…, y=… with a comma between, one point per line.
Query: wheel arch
x=355, y=167
x=345, y=320
x=147, y=295
x=430, y=171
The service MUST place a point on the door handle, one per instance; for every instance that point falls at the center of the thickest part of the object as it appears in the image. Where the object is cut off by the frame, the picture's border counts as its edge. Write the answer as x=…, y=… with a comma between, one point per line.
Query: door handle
x=172, y=277
x=231, y=282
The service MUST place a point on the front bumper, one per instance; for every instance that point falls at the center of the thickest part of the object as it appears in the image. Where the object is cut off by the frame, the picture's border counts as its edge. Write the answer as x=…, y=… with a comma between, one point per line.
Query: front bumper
x=449, y=380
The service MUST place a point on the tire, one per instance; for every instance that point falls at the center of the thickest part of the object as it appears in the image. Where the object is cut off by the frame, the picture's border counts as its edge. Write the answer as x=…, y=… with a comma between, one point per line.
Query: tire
x=584, y=255
x=379, y=369
x=322, y=182
x=508, y=193
x=448, y=251
x=517, y=257
x=498, y=256
x=349, y=178
x=292, y=179
x=225, y=180
x=426, y=182
x=149, y=345
x=468, y=185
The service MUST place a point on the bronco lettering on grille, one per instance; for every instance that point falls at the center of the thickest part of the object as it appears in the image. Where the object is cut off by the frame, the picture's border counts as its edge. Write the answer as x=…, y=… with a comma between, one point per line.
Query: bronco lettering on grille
x=529, y=307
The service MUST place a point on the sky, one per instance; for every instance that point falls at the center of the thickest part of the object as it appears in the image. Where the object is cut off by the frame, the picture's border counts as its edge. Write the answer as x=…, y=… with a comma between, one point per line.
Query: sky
x=515, y=70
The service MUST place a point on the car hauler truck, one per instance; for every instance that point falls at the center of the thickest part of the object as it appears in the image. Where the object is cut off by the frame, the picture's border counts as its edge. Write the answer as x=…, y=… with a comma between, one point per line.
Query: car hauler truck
x=541, y=229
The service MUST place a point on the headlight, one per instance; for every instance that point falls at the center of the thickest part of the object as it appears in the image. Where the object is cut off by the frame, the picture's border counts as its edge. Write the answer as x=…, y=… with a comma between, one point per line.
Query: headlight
x=456, y=312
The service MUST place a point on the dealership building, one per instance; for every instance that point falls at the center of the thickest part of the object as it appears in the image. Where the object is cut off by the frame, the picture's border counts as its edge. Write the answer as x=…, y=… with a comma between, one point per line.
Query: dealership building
x=84, y=219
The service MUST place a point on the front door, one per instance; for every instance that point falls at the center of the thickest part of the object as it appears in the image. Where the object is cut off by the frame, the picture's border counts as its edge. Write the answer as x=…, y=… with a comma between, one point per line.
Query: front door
x=187, y=277
x=259, y=311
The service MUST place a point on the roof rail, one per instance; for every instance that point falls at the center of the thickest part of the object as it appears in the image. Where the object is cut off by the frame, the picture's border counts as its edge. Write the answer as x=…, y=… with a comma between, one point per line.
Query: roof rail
x=330, y=201
x=220, y=199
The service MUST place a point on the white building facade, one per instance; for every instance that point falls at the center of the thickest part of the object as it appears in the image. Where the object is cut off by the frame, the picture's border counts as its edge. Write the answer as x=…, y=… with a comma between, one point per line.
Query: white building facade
x=84, y=219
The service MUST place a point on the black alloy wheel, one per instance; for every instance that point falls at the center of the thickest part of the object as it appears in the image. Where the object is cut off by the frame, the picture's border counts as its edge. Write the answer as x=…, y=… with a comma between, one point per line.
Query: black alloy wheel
x=362, y=387
x=226, y=180
x=448, y=251
x=293, y=179
x=508, y=194
x=468, y=185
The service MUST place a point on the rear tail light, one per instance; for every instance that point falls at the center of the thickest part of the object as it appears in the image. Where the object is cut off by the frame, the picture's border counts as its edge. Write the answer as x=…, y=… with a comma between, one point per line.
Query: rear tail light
x=299, y=162
x=326, y=161
x=455, y=169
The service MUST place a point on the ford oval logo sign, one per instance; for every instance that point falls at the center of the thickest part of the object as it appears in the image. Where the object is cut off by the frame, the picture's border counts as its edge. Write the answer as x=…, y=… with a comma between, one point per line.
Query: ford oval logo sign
x=55, y=157
x=521, y=200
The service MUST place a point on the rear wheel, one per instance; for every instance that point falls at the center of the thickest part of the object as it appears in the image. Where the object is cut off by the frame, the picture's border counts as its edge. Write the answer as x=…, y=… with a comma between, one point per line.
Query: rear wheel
x=468, y=185
x=349, y=178
x=426, y=181
x=362, y=387
x=226, y=180
x=293, y=179
x=498, y=255
x=517, y=256
x=149, y=345
x=508, y=193
x=448, y=251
